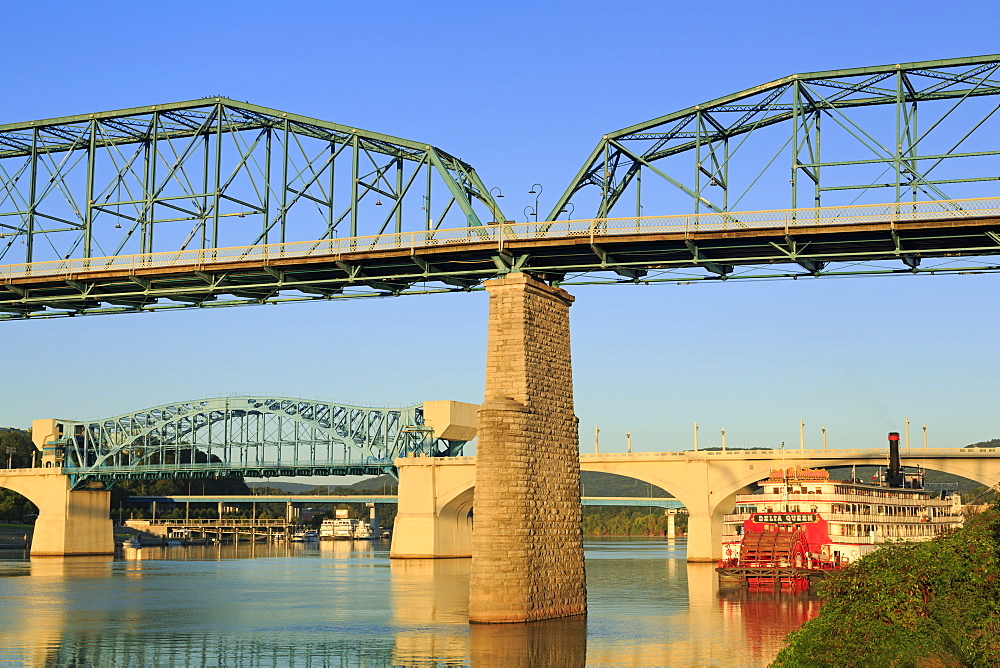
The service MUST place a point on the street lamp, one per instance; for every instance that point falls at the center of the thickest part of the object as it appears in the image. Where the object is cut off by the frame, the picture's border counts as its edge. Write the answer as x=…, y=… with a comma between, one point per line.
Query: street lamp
x=10, y=457
x=528, y=211
x=537, y=194
x=498, y=196
x=570, y=212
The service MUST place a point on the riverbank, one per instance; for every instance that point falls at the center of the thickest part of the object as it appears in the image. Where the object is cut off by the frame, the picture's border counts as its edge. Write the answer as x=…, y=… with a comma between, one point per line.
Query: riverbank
x=15, y=536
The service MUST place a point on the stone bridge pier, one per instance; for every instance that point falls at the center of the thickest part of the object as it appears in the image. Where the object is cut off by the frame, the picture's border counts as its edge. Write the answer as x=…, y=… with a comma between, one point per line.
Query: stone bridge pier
x=527, y=542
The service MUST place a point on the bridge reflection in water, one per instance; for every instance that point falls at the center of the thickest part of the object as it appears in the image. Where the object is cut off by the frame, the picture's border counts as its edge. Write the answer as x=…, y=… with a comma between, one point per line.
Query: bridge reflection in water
x=344, y=602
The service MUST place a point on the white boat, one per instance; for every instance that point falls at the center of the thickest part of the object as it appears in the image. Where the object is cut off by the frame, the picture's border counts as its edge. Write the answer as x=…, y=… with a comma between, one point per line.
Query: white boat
x=132, y=543
x=363, y=531
x=343, y=528
x=803, y=524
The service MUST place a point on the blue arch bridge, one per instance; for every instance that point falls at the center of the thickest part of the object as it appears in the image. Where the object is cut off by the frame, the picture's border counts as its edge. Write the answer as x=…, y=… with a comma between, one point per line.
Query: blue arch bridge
x=251, y=436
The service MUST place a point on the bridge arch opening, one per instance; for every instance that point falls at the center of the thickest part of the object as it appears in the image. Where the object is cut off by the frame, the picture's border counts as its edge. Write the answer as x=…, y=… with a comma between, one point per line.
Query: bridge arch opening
x=456, y=520
x=15, y=507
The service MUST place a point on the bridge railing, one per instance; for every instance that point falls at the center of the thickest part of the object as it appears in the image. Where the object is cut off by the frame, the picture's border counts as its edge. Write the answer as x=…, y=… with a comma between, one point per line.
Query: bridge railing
x=860, y=518
x=497, y=234
x=224, y=467
x=259, y=522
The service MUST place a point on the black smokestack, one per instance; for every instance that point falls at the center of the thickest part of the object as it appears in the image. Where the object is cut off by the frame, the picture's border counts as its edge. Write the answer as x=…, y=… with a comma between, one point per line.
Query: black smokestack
x=894, y=474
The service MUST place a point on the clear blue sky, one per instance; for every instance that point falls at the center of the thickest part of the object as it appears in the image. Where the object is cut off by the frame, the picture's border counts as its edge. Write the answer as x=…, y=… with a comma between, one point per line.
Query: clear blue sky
x=522, y=90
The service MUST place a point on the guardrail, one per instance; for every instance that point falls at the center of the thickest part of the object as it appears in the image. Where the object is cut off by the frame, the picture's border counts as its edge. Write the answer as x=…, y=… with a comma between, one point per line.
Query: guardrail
x=221, y=466
x=792, y=457
x=220, y=523
x=861, y=518
x=498, y=234
x=878, y=496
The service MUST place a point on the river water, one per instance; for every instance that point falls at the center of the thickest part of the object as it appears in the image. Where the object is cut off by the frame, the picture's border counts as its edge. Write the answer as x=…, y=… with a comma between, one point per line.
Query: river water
x=348, y=604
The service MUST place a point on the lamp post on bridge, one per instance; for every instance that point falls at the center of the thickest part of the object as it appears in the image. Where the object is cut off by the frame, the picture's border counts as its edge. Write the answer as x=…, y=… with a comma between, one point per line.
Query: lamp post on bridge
x=10, y=457
x=537, y=194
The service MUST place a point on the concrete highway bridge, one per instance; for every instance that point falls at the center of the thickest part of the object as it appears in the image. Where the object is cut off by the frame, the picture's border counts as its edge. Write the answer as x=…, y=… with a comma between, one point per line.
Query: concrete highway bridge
x=215, y=202
x=437, y=495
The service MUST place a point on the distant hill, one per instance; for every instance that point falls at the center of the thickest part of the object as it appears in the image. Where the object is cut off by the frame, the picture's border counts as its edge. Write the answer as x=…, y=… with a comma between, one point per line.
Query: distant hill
x=992, y=443
x=379, y=484
x=290, y=487
x=595, y=483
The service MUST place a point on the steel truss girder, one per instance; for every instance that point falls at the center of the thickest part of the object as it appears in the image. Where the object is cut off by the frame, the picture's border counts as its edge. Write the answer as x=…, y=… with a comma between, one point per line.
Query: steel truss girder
x=251, y=436
x=217, y=172
x=711, y=136
x=693, y=254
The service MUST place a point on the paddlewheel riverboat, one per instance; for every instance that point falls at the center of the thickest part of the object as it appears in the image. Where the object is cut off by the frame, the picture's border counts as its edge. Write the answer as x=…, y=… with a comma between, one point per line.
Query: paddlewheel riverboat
x=803, y=524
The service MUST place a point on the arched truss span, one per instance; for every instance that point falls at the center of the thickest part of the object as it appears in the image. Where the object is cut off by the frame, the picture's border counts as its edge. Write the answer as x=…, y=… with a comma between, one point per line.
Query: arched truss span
x=218, y=173
x=893, y=133
x=247, y=435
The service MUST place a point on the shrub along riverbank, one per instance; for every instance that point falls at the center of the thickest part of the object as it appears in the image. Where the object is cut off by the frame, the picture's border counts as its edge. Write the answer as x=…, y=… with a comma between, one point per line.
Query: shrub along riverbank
x=919, y=604
x=611, y=521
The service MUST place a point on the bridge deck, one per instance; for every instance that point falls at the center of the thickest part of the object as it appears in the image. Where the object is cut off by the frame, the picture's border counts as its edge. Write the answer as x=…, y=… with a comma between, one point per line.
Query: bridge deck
x=645, y=502
x=461, y=258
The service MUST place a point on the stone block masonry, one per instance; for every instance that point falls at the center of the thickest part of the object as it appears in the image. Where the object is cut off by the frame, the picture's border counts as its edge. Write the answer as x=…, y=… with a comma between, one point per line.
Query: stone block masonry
x=527, y=539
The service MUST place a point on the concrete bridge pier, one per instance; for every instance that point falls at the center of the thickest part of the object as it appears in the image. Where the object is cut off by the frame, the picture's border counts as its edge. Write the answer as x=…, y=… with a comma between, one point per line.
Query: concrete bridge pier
x=704, y=537
x=708, y=492
x=69, y=522
x=435, y=503
x=527, y=543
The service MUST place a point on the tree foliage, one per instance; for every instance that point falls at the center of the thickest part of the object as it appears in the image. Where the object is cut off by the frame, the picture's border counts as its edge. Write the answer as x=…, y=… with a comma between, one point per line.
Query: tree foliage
x=611, y=521
x=16, y=449
x=935, y=603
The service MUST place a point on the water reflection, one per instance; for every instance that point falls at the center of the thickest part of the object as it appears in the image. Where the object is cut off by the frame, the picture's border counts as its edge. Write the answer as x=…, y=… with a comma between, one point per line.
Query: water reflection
x=763, y=617
x=346, y=603
x=430, y=602
x=41, y=619
x=553, y=642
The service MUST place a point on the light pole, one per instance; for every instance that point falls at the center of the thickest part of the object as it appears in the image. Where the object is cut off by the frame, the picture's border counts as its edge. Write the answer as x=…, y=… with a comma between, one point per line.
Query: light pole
x=10, y=458
x=498, y=196
x=537, y=194
x=569, y=212
x=528, y=211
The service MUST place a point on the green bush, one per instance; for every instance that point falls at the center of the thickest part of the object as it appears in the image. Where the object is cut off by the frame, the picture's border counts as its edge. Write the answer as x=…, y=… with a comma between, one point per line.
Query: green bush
x=935, y=603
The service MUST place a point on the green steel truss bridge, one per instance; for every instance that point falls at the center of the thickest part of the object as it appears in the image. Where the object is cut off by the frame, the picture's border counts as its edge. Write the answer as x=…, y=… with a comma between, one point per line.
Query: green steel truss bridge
x=250, y=436
x=888, y=170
